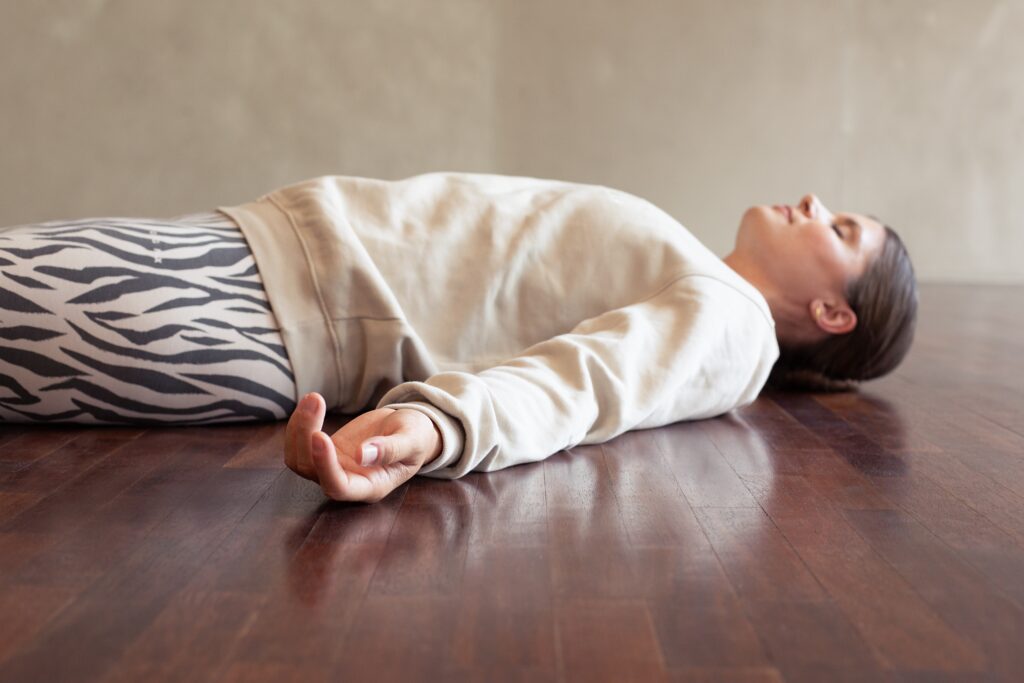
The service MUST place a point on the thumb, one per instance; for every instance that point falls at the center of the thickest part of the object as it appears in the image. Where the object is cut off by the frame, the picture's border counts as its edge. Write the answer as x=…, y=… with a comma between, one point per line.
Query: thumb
x=385, y=450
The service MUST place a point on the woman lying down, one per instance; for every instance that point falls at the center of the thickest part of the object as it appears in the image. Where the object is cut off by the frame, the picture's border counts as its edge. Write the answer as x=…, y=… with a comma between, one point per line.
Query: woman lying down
x=474, y=321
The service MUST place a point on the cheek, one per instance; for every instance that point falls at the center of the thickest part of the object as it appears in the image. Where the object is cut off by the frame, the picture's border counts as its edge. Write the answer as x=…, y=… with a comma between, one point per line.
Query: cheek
x=801, y=258
x=829, y=260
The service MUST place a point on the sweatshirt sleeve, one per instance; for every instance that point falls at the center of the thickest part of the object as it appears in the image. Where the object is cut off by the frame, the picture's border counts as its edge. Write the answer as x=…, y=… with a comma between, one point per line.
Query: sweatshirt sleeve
x=686, y=352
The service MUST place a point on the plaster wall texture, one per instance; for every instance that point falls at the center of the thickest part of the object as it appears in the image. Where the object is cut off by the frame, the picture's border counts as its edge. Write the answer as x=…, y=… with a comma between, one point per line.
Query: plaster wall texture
x=912, y=110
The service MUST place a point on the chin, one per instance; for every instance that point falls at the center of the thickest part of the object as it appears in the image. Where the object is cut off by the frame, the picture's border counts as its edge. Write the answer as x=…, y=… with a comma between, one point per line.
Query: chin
x=757, y=231
x=759, y=218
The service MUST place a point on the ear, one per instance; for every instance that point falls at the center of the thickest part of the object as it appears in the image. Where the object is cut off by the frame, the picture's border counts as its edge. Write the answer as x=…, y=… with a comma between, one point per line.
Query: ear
x=832, y=316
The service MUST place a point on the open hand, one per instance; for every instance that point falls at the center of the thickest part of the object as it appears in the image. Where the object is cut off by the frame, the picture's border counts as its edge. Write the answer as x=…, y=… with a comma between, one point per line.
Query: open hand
x=344, y=463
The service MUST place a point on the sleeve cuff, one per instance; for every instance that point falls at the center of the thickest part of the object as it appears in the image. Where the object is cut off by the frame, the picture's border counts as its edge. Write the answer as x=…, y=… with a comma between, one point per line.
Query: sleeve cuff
x=452, y=436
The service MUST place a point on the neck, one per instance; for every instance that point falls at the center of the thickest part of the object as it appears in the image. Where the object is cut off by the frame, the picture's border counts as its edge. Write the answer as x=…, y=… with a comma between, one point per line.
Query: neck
x=791, y=320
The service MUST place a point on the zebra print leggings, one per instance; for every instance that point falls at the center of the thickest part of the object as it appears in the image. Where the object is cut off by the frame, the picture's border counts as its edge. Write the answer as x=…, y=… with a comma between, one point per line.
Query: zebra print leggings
x=125, y=320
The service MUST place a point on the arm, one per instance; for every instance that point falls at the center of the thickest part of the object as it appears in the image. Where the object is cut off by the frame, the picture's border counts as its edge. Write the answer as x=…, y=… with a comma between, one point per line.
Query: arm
x=674, y=356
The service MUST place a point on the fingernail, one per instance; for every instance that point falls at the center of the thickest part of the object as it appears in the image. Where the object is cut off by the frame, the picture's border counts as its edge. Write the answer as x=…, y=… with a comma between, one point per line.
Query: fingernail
x=370, y=454
x=318, y=446
x=308, y=404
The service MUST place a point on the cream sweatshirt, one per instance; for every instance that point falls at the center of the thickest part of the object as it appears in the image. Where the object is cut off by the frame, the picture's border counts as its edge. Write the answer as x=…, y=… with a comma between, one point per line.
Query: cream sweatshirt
x=523, y=316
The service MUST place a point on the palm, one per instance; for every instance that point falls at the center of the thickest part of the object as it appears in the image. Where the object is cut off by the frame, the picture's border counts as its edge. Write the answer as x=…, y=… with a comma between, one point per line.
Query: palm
x=370, y=483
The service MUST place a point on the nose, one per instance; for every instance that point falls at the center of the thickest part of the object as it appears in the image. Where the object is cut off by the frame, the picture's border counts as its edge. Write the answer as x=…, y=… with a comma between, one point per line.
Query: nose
x=812, y=207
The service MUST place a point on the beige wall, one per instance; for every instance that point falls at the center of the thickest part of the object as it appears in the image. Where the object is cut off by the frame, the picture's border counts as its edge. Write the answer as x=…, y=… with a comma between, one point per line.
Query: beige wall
x=909, y=109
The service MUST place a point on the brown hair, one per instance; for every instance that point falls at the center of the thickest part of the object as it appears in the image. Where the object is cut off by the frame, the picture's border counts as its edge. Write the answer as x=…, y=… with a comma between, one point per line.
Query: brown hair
x=885, y=301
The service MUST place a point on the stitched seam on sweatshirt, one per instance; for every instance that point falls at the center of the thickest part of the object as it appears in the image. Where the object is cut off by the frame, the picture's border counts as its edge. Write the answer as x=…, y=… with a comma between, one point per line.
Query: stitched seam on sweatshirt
x=370, y=317
x=319, y=296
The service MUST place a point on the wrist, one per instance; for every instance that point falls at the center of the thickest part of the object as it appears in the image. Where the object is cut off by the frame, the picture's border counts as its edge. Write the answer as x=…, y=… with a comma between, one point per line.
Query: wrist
x=432, y=441
x=438, y=445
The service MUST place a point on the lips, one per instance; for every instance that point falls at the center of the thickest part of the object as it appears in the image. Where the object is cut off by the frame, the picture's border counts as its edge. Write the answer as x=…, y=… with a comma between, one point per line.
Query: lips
x=786, y=211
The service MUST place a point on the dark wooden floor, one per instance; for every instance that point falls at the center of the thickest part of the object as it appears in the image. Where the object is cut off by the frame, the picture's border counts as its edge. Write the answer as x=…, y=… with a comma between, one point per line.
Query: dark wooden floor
x=876, y=536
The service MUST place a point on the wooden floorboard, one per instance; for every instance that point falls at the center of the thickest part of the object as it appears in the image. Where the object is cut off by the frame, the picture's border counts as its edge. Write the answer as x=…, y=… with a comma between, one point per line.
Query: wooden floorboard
x=867, y=536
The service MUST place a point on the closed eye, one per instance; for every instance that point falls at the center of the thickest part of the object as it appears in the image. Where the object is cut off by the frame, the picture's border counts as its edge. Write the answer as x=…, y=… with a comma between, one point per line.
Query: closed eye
x=835, y=226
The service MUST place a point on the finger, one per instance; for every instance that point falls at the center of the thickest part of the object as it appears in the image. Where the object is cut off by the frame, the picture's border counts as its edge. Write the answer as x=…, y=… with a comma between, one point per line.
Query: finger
x=334, y=480
x=307, y=418
x=380, y=451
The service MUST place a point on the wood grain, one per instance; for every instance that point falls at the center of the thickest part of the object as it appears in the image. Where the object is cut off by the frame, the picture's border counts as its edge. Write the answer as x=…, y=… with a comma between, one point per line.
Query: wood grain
x=875, y=535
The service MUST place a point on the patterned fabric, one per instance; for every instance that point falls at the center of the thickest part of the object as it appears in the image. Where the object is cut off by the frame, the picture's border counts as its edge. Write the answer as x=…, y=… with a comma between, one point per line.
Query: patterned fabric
x=126, y=320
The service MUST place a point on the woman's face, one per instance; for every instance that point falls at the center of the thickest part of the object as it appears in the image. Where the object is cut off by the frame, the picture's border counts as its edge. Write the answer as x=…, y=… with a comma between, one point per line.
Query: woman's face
x=806, y=250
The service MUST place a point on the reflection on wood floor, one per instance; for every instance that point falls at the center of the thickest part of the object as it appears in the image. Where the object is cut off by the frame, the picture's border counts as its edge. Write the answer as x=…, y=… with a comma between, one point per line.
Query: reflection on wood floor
x=868, y=536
